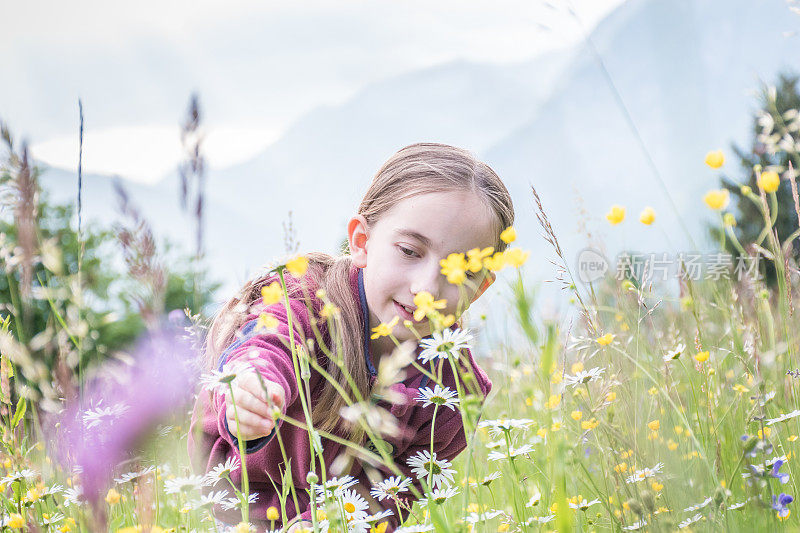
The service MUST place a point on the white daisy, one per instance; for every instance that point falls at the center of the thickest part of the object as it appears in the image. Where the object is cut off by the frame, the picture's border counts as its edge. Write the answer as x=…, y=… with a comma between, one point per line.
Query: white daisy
x=334, y=486
x=486, y=480
x=441, y=396
x=389, y=488
x=584, y=376
x=583, y=505
x=474, y=518
x=423, y=465
x=674, y=353
x=781, y=418
x=130, y=476
x=444, y=344
x=217, y=381
x=211, y=499
x=735, y=506
x=74, y=496
x=636, y=526
x=233, y=503
x=512, y=452
x=354, y=505
x=535, y=499
x=414, y=529
x=698, y=506
x=222, y=470
x=645, y=473
x=439, y=496
x=183, y=484
x=505, y=425
x=26, y=474
x=690, y=521
x=53, y=519
x=94, y=417
x=377, y=517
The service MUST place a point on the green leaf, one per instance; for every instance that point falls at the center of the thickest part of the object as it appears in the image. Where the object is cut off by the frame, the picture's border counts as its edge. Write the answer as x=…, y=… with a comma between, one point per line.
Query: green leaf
x=22, y=405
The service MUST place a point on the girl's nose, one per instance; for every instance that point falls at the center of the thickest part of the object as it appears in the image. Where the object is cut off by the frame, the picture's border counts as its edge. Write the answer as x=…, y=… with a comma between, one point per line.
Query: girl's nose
x=428, y=280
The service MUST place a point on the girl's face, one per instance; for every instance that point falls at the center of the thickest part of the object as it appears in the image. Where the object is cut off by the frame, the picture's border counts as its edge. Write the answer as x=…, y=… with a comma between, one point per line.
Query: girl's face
x=400, y=256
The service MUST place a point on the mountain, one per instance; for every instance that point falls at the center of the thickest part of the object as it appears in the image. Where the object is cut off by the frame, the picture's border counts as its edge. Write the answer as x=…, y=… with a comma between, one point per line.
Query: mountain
x=675, y=81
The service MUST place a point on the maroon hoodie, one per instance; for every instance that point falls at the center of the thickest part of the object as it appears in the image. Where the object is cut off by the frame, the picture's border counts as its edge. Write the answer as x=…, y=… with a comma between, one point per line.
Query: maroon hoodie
x=212, y=443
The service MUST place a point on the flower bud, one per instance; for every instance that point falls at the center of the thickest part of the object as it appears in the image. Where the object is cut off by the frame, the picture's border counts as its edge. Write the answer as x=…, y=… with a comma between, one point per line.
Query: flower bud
x=312, y=478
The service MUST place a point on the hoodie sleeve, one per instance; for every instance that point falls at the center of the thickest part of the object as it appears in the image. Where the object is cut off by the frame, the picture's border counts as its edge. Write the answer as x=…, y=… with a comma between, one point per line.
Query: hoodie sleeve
x=270, y=354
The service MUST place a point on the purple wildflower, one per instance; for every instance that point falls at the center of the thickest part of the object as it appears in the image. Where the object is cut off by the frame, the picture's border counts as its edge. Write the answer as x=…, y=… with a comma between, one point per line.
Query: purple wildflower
x=122, y=407
x=783, y=477
x=779, y=504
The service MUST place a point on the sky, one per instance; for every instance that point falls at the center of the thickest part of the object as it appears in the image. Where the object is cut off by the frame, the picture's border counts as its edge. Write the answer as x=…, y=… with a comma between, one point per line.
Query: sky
x=257, y=66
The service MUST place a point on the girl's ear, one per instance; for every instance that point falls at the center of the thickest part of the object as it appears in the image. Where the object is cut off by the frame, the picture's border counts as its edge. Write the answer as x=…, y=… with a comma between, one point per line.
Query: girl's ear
x=487, y=282
x=357, y=240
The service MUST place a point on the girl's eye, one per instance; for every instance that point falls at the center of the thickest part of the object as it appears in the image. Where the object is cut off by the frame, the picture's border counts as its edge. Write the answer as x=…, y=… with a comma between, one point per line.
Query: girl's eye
x=407, y=251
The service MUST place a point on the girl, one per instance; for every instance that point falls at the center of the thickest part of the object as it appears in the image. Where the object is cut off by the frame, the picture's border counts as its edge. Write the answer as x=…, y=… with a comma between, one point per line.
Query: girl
x=405, y=278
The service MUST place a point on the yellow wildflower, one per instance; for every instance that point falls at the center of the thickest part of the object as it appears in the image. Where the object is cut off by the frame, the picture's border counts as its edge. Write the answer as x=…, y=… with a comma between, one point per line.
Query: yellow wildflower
x=576, y=415
x=242, y=527
x=647, y=216
x=271, y=293
x=508, y=235
x=589, y=424
x=272, y=513
x=792, y=438
x=380, y=528
x=553, y=401
x=611, y=396
x=426, y=304
x=741, y=389
x=717, y=199
x=765, y=433
x=616, y=215
x=502, y=528
x=329, y=310
x=112, y=497
x=605, y=340
x=769, y=181
x=672, y=445
x=556, y=426
x=652, y=391
x=496, y=262
x=515, y=257
x=297, y=267
x=454, y=267
x=702, y=357
x=620, y=468
x=384, y=329
x=476, y=256
x=654, y=425
x=656, y=486
x=15, y=520
x=715, y=158
x=266, y=321
x=577, y=367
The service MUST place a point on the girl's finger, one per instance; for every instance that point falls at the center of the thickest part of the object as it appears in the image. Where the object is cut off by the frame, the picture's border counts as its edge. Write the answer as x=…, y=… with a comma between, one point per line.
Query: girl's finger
x=274, y=391
x=248, y=418
x=254, y=404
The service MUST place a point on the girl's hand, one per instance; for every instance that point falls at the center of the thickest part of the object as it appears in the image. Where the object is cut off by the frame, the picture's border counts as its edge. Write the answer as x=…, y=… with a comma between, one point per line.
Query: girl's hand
x=300, y=526
x=254, y=406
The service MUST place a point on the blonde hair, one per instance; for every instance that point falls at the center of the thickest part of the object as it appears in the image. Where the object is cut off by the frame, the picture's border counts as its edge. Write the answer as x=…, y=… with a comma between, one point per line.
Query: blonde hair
x=416, y=169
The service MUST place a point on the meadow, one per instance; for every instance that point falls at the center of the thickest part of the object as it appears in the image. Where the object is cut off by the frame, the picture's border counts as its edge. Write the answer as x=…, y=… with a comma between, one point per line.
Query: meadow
x=654, y=406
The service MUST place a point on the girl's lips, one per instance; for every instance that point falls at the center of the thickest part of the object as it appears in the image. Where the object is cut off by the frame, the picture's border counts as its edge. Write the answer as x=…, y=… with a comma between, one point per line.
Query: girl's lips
x=401, y=311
